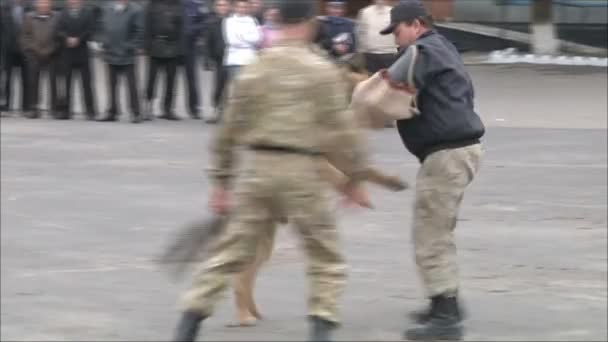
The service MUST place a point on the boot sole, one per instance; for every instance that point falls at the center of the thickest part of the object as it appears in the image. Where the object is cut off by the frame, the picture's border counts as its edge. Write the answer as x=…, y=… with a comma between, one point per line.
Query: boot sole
x=451, y=333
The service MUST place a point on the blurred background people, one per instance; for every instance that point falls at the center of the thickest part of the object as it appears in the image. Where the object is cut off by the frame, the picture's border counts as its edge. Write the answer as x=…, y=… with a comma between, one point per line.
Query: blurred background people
x=379, y=51
x=121, y=39
x=215, y=49
x=13, y=16
x=75, y=28
x=162, y=41
x=40, y=49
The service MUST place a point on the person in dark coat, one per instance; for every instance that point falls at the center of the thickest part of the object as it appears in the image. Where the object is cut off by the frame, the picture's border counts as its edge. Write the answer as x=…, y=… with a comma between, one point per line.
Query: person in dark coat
x=75, y=27
x=121, y=40
x=216, y=47
x=162, y=41
x=13, y=15
x=334, y=27
x=194, y=17
x=40, y=47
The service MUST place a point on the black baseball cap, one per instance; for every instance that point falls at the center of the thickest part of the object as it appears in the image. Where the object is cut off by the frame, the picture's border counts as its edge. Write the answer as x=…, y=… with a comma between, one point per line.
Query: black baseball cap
x=406, y=10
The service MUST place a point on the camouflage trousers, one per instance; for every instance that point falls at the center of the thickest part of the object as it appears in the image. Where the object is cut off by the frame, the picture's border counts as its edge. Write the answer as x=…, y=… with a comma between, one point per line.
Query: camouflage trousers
x=440, y=185
x=272, y=186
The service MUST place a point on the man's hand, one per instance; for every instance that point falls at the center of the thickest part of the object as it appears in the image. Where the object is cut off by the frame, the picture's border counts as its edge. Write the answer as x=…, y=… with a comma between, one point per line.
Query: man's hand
x=73, y=42
x=341, y=48
x=356, y=194
x=219, y=201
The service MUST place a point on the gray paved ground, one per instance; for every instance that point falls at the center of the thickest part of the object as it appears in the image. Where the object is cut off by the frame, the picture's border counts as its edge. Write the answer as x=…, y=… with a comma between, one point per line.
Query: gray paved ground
x=86, y=207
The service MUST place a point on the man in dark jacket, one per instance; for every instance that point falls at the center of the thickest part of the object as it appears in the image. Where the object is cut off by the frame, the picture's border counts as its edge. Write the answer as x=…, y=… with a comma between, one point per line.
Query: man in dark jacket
x=335, y=27
x=13, y=15
x=121, y=40
x=40, y=48
x=445, y=137
x=76, y=25
x=215, y=49
x=162, y=41
x=194, y=18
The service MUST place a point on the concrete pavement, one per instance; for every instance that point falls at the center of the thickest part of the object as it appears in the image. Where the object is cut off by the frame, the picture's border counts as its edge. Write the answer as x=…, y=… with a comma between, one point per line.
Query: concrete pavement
x=86, y=208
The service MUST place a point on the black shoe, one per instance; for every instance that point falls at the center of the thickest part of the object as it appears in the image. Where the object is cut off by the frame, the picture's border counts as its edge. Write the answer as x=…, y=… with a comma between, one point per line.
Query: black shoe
x=188, y=327
x=424, y=315
x=169, y=115
x=137, y=118
x=4, y=108
x=195, y=115
x=320, y=329
x=443, y=322
x=60, y=115
x=111, y=116
x=32, y=114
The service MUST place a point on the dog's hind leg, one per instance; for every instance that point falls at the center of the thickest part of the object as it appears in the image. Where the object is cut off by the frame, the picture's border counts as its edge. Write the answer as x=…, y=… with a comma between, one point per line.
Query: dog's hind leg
x=244, y=282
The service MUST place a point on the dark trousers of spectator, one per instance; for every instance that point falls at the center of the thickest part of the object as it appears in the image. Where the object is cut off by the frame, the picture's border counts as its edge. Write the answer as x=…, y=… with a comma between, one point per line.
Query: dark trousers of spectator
x=128, y=71
x=190, y=64
x=13, y=59
x=376, y=62
x=170, y=67
x=83, y=67
x=35, y=67
x=221, y=77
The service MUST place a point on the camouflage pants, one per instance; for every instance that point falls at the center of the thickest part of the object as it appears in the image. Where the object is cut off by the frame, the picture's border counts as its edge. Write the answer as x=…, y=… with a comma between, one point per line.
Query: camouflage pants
x=273, y=185
x=440, y=185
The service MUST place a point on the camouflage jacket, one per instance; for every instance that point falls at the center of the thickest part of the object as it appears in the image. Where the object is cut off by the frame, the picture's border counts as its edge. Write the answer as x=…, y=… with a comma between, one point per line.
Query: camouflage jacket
x=289, y=97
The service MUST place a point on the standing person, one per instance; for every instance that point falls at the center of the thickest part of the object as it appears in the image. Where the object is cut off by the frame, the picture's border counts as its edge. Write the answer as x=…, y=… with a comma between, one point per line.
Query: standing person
x=242, y=36
x=40, y=48
x=216, y=48
x=302, y=98
x=121, y=39
x=379, y=50
x=256, y=10
x=162, y=41
x=194, y=18
x=335, y=26
x=445, y=138
x=13, y=16
x=75, y=28
x=270, y=29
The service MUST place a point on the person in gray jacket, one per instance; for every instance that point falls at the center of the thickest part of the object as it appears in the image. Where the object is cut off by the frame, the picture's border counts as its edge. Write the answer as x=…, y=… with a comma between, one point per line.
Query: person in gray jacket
x=163, y=38
x=121, y=38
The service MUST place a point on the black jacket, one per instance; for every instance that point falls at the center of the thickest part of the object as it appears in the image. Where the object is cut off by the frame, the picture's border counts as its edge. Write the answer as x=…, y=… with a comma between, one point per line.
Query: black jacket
x=164, y=28
x=215, y=44
x=445, y=98
x=81, y=26
x=10, y=30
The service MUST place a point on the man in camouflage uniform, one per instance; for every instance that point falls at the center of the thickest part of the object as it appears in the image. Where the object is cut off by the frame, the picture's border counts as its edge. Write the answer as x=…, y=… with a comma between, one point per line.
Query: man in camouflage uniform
x=298, y=116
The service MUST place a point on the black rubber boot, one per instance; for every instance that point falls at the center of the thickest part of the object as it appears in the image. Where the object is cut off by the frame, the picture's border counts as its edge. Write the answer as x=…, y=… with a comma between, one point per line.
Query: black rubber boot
x=320, y=329
x=424, y=315
x=188, y=327
x=443, y=322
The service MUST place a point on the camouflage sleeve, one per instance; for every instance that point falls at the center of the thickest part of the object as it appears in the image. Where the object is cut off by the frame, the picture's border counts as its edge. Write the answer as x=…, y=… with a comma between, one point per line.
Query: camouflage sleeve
x=345, y=139
x=234, y=123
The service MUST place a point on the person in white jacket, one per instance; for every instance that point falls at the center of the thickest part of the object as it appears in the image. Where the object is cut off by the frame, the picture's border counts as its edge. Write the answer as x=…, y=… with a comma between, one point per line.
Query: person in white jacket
x=380, y=51
x=242, y=35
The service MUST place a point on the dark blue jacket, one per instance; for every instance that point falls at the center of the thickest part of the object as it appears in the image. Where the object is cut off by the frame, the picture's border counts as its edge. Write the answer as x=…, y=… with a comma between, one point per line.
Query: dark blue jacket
x=445, y=99
x=333, y=26
x=194, y=17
